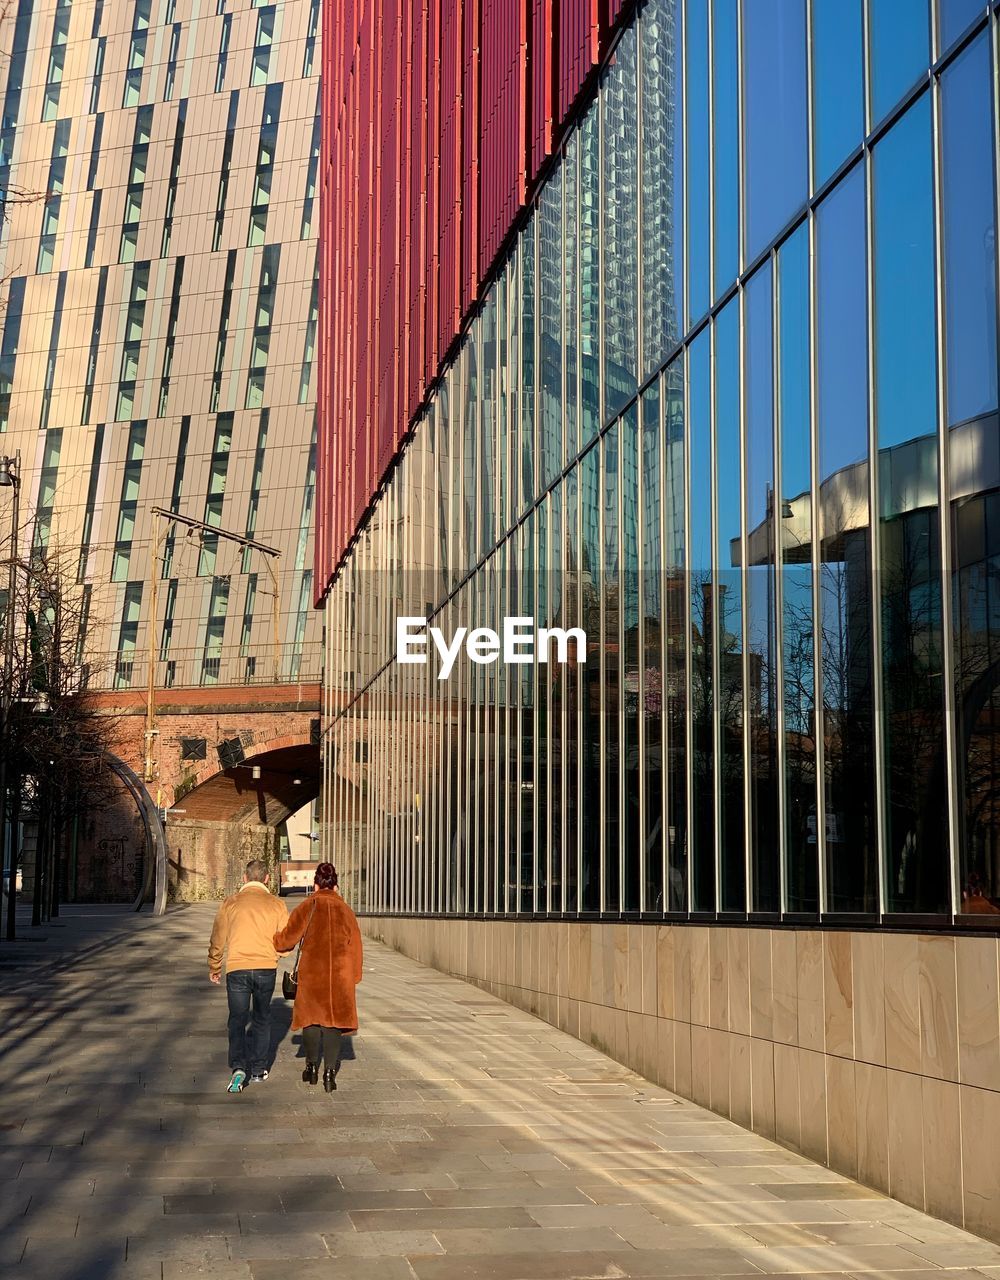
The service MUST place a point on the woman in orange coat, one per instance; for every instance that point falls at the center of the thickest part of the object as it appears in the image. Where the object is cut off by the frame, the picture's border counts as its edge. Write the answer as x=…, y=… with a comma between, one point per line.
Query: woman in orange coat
x=329, y=970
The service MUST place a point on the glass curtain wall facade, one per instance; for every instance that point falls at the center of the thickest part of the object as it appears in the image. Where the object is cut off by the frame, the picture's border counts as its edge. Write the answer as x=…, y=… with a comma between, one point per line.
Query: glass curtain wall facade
x=729, y=406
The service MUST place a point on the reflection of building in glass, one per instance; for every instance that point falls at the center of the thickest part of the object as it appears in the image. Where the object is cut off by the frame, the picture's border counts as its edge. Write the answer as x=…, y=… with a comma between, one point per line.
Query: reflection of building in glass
x=726, y=396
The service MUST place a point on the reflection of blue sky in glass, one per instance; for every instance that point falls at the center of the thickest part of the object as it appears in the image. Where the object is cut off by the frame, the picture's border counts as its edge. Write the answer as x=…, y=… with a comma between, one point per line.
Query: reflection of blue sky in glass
x=759, y=455
x=842, y=342
x=795, y=523
x=956, y=16
x=759, y=396
x=838, y=86
x=905, y=358
x=725, y=87
x=701, y=460
x=969, y=233
x=698, y=212
x=727, y=434
x=793, y=277
x=774, y=68
x=899, y=35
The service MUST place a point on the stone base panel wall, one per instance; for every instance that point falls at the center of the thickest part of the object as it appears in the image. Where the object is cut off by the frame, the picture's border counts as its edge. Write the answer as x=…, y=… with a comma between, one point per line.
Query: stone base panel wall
x=877, y=1054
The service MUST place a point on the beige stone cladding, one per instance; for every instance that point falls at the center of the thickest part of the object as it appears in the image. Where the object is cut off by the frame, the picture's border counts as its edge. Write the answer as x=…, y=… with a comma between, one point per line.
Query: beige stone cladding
x=167, y=271
x=876, y=1053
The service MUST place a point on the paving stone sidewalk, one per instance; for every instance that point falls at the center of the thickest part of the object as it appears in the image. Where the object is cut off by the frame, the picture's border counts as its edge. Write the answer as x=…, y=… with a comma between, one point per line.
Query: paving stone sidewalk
x=467, y=1141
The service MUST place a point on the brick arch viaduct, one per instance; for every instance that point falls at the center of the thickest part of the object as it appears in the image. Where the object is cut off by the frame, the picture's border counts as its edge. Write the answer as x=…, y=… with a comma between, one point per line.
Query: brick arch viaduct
x=209, y=744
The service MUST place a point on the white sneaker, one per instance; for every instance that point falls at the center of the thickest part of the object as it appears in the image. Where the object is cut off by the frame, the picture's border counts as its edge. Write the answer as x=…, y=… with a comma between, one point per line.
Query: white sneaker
x=239, y=1079
x=258, y=1077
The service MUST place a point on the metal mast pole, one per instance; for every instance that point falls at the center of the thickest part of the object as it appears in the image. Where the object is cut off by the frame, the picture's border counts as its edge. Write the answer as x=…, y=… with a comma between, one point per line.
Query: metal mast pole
x=154, y=578
x=7, y=695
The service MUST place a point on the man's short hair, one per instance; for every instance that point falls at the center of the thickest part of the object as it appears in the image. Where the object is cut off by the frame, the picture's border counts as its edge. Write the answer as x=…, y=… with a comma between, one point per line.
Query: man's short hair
x=257, y=869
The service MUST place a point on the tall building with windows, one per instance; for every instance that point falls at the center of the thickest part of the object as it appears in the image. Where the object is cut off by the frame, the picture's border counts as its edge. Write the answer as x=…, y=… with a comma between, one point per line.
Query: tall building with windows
x=677, y=321
x=159, y=322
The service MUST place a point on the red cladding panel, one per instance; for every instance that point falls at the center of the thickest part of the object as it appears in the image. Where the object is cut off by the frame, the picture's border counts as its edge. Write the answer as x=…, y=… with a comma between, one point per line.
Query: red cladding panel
x=438, y=119
x=471, y=106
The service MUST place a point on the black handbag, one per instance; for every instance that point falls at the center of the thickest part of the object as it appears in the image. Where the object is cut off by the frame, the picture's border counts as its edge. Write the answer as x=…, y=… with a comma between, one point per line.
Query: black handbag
x=290, y=981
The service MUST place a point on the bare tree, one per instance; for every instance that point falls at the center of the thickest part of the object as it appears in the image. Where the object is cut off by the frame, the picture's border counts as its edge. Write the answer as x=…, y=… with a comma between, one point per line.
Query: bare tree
x=57, y=736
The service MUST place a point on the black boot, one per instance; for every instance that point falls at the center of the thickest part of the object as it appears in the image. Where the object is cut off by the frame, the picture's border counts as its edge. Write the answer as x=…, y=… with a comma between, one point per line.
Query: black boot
x=329, y=1080
x=311, y=1073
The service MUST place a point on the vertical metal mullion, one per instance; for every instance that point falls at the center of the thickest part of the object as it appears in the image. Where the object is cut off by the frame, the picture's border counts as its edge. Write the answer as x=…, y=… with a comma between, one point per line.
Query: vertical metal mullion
x=715, y=625
x=777, y=551
x=640, y=503
x=567, y=453
x=622, y=824
x=578, y=532
x=867, y=63
x=599, y=221
x=875, y=542
x=537, y=484
x=602, y=615
x=710, y=6
x=640, y=558
x=749, y=886
x=741, y=202
x=688, y=630
x=665, y=737
x=641, y=642
x=816, y=558
x=497, y=711
x=549, y=690
x=944, y=509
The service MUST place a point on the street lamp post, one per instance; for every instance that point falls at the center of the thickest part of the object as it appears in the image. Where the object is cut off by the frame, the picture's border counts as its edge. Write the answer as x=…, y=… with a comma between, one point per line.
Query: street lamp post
x=10, y=478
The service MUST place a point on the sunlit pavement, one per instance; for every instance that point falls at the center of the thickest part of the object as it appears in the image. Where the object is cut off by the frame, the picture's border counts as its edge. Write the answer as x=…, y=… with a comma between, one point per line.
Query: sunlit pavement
x=467, y=1141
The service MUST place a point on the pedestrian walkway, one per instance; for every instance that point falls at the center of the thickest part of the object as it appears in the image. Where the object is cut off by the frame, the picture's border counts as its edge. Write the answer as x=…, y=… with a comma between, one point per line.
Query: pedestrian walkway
x=467, y=1141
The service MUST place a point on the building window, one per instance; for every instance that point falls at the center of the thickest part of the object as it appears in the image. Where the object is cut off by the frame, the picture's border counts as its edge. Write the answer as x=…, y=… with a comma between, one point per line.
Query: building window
x=53, y=355
x=95, y=347
x=312, y=36
x=223, y=58
x=128, y=636
x=134, y=191
x=57, y=61
x=312, y=173
x=263, y=320
x=95, y=84
x=223, y=333
x=129, y=501
x=216, y=496
x=227, y=159
x=263, y=43
x=171, y=74
x=264, y=172
x=215, y=631
x=171, y=338
x=136, y=54
x=88, y=515
x=8, y=346
x=47, y=482
x=132, y=345
x=256, y=485
x=176, y=493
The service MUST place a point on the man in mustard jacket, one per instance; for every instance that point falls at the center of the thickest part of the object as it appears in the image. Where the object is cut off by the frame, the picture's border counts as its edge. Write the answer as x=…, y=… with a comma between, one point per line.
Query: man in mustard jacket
x=244, y=928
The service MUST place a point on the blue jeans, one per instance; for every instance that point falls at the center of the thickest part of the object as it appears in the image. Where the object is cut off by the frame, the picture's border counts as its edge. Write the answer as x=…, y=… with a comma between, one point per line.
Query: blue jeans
x=246, y=987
